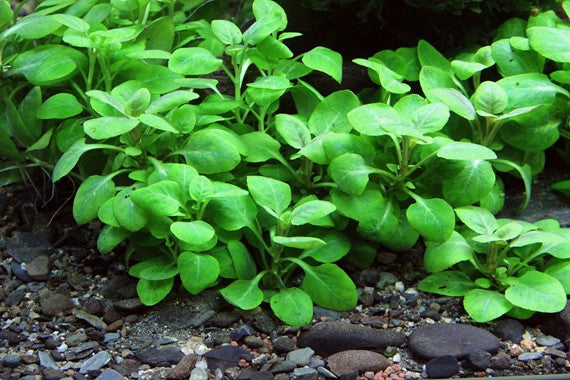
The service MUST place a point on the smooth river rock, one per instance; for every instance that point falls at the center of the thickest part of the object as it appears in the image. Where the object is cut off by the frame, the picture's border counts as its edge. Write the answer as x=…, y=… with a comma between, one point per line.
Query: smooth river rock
x=349, y=361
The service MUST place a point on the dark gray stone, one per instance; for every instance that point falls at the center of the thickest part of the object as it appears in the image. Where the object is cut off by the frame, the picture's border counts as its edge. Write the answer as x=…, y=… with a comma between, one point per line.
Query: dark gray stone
x=547, y=340
x=558, y=325
x=75, y=339
x=95, y=362
x=20, y=273
x=320, y=312
x=442, y=367
x=11, y=360
x=15, y=297
x=301, y=357
x=26, y=246
x=91, y=319
x=530, y=356
x=224, y=319
x=264, y=323
x=46, y=360
x=283, y=344
x=83, y=347
x=509, y=329
x=10, y=337
x=501, y=360
x=53, y=303
x=226, y=356
x=241, y=332
x=39, y=268
x=253, y=341
x=479, y=360
x=201, y=318
x=110, y=374
x=159, y=357
x=327, y=338
x=346, y=362
x=305, y=373
x=457, y=340
x=283, y=366
x=52, y=374
x=251, y=374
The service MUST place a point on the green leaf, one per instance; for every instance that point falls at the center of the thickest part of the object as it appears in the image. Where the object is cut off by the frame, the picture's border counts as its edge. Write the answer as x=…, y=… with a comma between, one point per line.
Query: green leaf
x=478, y=219
x=270, y=18
x=157, y=122
x=441, y=256
x=69, y=159
x=325, y=60
x=454, y=99
x=490, y=98
x=561, y=272
x=429, y=56
x=270, y=193
x=512, y=61
x=471, y=182
x=33, y=27
x=130, y=216
x=485, y=305
x=72, y=22
x=162, y=198
x=562, y=186
x=243, y=263
x=159, y=272
x=233, y=213
x=106, y=215
x=8, y=150
x=337, y=246
x=536, y=291
x=387, y=78
x=509, y=231
x=261, y=147
x=195, y=232
x=59, y=106
x=227, y=32
x=533, y=89
x=170, y=101
x=350, y=173
x=6, y=13
x=465, y=151
x=293, y=306
x=197, y=271
x=330, y=114
x=525, y=173
x=110, y=237
x=329, y=286
x=193, y=61
x=106, y=99
x=160, y=261
x=152, y=292
x=337, y=144
x=533, y=131
x=553, y=43
x=300, y=242
x=106, y=127
x=309, y=212
x=430, y=118
x=210, y=152
x=432, y=218
x=370, y=119
x=20, y=129
x=293, y=130
x=266, y=90
x=447, y=283
x=244, y=294
x=200, y=188
x=90, y=196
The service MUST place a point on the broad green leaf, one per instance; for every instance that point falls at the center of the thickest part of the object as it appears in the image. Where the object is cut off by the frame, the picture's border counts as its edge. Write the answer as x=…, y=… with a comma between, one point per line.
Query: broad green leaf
x=511, y=61
x=72, y=22
x=197, y=271
x=170, y=101
x=300, y=242
x=159, y=226
x=261, y=147
x=350, y=173
x=465, y=69
x=156, y=78
x=525, y=173
x=270, y=193
x=183, y=175
x=311, y=211
x=193, y=61
x=200, y=188
x=110, y=237
x=159, y=261
x=441, y=256
x=371, y=204
x=329, y=286
x=28, y=109
x=209, y=152
x=157, y=122
x=430, y=118
x=233, y=213
x=106, y=127
x=69, y=159
x=454, y=99
x=8, y=150
x=337, y=246
x=273, y=49
x=104, y=98
x=18, y=128
x=412, y=66
x=195, y=232
x=465, y=151
x=553, y=43
x=42, y=143
x=149, y=54
x=293, y=306
x=429, y=56
x=495, y=200
x=59, y=106
x=106, y=215
x=536, y=291
x=325, y=60
x=526, y=90
x=331, y=114
x=293, y=130
x=159, y=272
x=270, y=17
x=152, y=292
x=130, y=216
x=6, y=13
x=509, y=231
x=90, y=196
x=485, y=305
x=162, y=198
x=490, y=97
x=243, y=263
x=533, y=131
x=33, y=27
x=244, y=294
x=562, y=186
x=370, y=118
x=432, y=218
x=223, y=189
x=387, y=78
x=337, y=144
x=561, y=272
x=266, y=90
x=227, y=32
x=314, y=151
x=447, y=283
x=478, y=219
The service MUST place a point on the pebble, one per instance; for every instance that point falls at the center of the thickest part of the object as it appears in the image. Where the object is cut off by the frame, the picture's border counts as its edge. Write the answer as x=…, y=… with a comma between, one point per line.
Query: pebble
x=53, y=303
x=39, y=268
x=509, y=329
x=159, y=357
x=20, y=273
x=479, y=359
x=46, y=360
x=386, y=278
x=547, y=340
x=263, y=323
x=345, y=362
x=226, y=356
x=327, y=338
x=198, y=374
x=316, y=362
x=111, y=337
x=95, y=362
x=282, y=367
x=554, y=352
x=110, y=374
x=52, y=374
x=283, y=344
x=326, y=373
x=301, y=357
x=241, y=332
x=501, y=360
x=26, y=246
x=531, y=356
x=439, y=339
x=305, y=373
x=91, y=319
x=253, y=341
x=260, y=359
x=11, y=360
x=14, y=298
x=399, y=286
x=442, y=367
x=183, y=368
x=75, y=339
x=321, y=312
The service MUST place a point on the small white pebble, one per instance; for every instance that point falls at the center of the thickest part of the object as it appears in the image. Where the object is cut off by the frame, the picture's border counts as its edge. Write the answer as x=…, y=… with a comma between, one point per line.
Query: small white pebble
x=62, y=347
x=201, y=350
x=399, y=285
x=397, y=358
x=202, y=364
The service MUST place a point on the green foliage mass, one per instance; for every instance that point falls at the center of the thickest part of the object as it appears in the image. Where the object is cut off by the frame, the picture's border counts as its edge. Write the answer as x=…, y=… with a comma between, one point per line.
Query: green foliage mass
x=219, y=187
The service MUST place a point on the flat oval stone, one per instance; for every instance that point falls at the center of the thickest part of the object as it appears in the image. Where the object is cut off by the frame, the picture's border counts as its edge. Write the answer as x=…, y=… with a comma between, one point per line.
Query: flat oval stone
x=431, y=341
x=346, y=362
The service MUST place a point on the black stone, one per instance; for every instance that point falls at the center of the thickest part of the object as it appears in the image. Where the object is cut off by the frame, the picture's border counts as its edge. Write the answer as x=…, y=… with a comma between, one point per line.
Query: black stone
x=15, y=297
x=224, y=357
x=558, y=325
x=52, y=374
x=264, y=323
x=241, y=332
x=457, y=340
x=20, y=273
x=11, y=360
x=10, y=337
x=509, y=329
x=442, y=367
x=26, y=246
x=479, y=360
x=251, y=374
x=283, y=344
x=160, y=357
x=430, y=312
x=328, y=338
x=224, y=319
x=282, y=367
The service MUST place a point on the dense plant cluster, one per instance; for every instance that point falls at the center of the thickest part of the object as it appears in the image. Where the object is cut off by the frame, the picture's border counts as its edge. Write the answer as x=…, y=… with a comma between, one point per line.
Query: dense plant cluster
x=220, y=188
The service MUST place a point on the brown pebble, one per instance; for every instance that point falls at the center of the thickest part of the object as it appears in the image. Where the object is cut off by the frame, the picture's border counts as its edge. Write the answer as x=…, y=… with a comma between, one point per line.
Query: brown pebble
x=115, y=325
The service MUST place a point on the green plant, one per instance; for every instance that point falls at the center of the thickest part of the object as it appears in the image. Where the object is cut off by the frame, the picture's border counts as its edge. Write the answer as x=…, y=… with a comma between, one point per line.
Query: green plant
x=504, y=265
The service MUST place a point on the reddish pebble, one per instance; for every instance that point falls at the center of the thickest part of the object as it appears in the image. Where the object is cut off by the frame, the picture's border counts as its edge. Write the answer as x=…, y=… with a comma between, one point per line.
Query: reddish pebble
x=323, y=319
x=234, y=343
x=369, y=375
x=480, y=374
